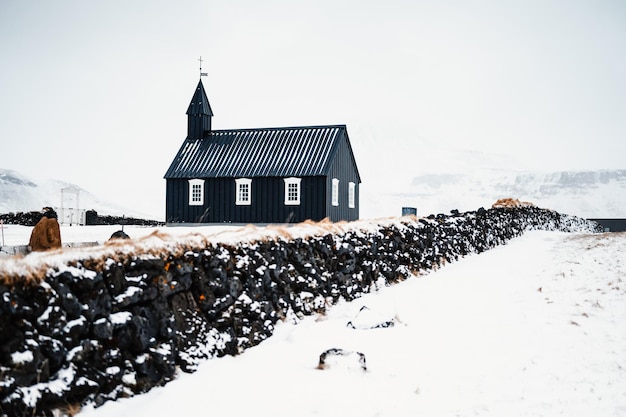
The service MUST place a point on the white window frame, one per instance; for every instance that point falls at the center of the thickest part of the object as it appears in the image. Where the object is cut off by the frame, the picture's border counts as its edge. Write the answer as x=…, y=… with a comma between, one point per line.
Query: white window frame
x=240, y=185
x=335, y=192
x=196, y=192
x=351, y=195
x=290, y=183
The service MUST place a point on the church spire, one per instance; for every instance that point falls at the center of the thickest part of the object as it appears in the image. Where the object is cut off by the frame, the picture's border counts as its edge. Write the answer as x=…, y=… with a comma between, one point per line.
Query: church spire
x=199, y=114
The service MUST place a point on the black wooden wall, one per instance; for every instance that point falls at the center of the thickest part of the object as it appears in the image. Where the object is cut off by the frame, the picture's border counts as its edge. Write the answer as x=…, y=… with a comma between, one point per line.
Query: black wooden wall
x=344, y=169
x=267, y=202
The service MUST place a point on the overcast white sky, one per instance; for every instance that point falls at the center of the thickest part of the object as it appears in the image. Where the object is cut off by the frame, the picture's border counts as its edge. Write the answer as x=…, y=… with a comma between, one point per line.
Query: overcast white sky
x=541, y=82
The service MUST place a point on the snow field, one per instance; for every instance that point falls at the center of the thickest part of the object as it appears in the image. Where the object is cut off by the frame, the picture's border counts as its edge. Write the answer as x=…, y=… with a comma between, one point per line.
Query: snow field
x=531, y=328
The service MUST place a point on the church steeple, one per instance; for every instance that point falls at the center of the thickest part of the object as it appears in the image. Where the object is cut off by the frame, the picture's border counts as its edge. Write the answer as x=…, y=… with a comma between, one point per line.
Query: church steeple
x=199, y=114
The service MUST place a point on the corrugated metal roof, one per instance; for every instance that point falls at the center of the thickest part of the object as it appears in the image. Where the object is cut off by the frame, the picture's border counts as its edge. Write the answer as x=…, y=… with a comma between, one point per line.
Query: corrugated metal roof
x=265, y=152
x=200, y=102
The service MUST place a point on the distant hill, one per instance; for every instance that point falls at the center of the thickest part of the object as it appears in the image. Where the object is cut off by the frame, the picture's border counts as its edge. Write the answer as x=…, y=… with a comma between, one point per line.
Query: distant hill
x=19, y=193
x=589, y=194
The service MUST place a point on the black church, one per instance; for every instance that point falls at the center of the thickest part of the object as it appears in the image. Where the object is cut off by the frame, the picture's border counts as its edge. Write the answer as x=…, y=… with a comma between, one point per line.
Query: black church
x=264, y=175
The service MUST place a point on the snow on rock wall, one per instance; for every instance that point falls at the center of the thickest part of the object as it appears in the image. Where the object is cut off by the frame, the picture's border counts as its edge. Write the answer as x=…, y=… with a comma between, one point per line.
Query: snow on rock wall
x=97, y=331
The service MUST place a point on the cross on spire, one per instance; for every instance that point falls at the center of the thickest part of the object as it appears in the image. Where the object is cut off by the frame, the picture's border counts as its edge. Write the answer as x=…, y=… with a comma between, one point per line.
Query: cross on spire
x=202, y=74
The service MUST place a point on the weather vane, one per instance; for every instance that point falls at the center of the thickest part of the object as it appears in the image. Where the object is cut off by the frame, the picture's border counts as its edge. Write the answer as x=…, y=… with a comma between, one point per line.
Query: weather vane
x=202, y=74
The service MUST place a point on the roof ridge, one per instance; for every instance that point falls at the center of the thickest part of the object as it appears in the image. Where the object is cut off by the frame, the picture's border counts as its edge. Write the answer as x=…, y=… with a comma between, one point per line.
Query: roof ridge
x=339, y=126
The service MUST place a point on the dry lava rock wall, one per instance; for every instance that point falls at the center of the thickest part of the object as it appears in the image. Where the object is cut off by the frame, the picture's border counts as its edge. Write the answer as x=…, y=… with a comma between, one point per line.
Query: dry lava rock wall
x=93, y=332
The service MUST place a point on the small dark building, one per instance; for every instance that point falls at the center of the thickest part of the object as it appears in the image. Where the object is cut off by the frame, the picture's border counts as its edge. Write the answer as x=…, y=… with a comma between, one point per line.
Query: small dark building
x=612, y=225
x=266, y=175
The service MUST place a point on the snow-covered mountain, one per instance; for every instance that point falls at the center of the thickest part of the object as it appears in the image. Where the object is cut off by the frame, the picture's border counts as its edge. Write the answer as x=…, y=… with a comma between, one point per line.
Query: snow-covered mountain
x=19, y=193
x=589, y=194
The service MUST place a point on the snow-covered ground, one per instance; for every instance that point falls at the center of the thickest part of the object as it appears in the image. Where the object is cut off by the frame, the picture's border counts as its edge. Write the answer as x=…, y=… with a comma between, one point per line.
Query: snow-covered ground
x=535, y=327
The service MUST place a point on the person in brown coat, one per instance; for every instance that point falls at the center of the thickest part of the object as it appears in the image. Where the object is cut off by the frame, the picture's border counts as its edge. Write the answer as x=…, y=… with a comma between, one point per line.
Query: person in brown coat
x=46, y=234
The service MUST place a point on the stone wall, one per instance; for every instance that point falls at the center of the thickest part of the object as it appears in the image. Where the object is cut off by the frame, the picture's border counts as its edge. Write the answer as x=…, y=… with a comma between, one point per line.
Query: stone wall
x=92, y=218
x=96, y=331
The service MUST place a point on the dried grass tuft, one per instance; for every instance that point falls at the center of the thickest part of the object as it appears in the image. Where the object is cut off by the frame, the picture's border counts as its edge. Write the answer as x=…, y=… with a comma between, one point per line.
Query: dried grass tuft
x=511, y=203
